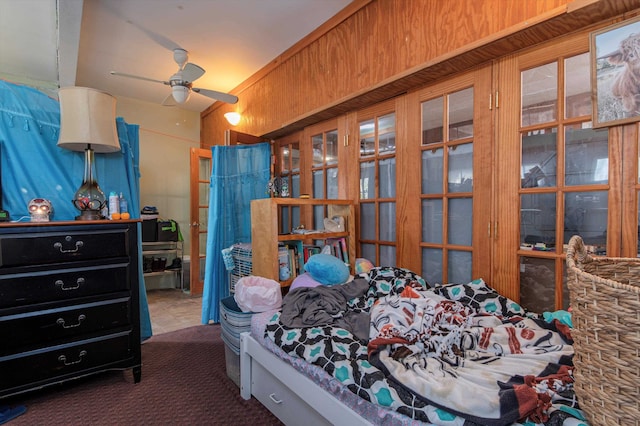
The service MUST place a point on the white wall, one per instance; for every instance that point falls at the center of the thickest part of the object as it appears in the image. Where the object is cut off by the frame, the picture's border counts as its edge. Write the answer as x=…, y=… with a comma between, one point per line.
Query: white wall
x=167, y=135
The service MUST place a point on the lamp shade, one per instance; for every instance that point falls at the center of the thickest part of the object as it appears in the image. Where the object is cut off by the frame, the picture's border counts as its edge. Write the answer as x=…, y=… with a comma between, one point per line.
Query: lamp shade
x=87, y=117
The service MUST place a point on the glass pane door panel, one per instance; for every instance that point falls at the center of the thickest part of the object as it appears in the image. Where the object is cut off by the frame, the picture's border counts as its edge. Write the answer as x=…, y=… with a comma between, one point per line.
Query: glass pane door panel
x=585, y=214
x=387, y=222
x=537, y=284
x=368, y=251
x=204, y=188
x=586, y=156
x=432, y=265
x=432, y=118
x=367, y=138
x=204, y=169
x=460, y=177
x=460, y=221
x=540, y=94
x=295, y=157
x=318, y=217
x=387, y=255
x=368, y=180
x=432, y=221
x=318, y=184
x=368, y=222
x=537, y=219
x=331, y=154
x=295, y=186
x=332, y=183
x=387, y=134
x=459, y=270
x=461, y=114
x=285, y=159
x=295, y=216
x=432, y=166
x=284, y=220
x=539, y=158
x=203, y=218
x=387, y=181
x=202, y=238
x=317, y=144
x=577, y=95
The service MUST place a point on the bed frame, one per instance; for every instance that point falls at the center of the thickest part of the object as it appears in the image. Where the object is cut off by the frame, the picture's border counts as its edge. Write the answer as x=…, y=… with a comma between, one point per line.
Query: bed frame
x=287, y=393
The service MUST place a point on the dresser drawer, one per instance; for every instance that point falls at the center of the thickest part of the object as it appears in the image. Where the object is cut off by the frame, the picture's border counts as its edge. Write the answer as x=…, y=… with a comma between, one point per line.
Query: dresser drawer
x=63, y=284
x=55, y=247
x=42, y=328
x=56, y=363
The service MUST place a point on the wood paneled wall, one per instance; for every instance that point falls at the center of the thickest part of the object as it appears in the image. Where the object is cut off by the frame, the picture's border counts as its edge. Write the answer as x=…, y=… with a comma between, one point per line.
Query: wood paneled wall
x=377, y=49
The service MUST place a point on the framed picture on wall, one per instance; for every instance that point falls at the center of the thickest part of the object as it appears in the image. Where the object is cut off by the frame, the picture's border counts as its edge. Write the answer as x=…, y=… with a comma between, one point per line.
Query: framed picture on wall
x=615, y=73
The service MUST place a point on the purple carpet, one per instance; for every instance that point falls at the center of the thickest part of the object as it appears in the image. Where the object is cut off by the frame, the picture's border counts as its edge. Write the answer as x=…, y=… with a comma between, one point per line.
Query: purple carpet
x=184, y=382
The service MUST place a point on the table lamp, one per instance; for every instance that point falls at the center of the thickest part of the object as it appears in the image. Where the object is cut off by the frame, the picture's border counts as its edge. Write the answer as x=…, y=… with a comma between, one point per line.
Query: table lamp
x=88, y=123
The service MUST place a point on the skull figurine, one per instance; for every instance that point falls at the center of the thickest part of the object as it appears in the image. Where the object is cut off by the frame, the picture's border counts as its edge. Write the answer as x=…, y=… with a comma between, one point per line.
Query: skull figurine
x=39, y=209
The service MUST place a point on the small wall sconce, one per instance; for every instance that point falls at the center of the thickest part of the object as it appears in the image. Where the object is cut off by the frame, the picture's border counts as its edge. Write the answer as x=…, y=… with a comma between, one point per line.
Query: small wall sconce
x=233, y=117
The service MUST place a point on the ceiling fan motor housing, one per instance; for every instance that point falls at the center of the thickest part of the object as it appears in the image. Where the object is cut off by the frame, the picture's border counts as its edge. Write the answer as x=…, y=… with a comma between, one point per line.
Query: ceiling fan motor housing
x=180, y=93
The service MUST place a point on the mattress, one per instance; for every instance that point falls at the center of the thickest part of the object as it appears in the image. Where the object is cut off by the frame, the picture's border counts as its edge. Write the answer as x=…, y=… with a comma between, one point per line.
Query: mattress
x=372, y=412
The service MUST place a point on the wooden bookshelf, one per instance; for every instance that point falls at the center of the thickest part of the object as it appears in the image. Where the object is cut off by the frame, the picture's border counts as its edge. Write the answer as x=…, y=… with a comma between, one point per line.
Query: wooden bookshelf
x=266, y=231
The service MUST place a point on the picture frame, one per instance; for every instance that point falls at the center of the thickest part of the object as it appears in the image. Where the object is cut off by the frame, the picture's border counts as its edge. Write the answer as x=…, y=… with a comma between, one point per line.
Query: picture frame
x=615, y=94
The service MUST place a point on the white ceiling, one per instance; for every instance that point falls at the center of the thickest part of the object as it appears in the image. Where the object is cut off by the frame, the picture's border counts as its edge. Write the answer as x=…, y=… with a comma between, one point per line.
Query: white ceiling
x=230, y=39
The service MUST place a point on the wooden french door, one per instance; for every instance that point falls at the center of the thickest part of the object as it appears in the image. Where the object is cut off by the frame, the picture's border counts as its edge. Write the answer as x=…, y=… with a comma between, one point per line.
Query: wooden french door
x=450, y=151
x=200, y=178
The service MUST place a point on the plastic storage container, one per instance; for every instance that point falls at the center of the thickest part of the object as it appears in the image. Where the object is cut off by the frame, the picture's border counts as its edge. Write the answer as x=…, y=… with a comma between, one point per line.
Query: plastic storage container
x=233, y=322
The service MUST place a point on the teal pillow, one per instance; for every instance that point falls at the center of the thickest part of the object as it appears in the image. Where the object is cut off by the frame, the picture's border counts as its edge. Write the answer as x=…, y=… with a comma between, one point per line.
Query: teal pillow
x=327, y=269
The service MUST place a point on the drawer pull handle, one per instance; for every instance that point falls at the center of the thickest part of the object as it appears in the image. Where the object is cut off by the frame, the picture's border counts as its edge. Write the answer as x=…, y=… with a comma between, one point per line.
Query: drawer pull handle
x=79, y=282
x=63, y=359
x=59, y=247
x=274, y=399
x=61, y=322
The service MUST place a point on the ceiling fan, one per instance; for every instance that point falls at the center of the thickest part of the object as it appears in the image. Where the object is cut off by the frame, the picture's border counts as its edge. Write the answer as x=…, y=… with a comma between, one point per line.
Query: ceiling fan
x=182, y=81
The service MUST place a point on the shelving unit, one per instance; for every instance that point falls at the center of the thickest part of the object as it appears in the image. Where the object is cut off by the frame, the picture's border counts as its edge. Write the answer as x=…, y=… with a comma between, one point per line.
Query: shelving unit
x=169, y=250
x=266, y=225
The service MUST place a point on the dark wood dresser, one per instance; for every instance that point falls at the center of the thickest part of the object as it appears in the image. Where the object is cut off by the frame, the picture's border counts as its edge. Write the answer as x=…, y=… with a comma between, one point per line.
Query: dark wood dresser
x=68, y=302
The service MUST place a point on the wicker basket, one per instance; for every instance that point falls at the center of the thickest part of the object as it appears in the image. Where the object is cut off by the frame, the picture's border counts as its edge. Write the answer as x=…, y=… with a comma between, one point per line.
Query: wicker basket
x=605, y=303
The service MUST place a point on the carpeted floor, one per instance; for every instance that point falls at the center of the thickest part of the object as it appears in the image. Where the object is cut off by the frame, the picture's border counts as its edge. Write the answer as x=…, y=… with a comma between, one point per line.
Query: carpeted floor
x=184, y=382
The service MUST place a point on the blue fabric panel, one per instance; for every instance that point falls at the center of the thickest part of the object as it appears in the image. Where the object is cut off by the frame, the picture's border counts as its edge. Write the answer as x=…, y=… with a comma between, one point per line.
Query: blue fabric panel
x=34, y=166
x=239, y=174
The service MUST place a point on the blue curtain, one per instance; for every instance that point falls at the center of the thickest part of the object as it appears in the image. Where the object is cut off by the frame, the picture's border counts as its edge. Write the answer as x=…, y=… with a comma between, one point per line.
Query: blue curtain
x=33, y=166
x=239, y=174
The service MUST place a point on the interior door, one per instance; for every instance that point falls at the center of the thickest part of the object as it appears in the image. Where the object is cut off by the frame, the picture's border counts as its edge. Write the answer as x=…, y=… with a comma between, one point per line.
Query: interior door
x=199, y=211
x=200, y=178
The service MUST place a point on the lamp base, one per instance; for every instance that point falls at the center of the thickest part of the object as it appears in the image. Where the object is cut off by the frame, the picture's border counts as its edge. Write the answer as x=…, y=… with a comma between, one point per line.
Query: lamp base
x=89, y=215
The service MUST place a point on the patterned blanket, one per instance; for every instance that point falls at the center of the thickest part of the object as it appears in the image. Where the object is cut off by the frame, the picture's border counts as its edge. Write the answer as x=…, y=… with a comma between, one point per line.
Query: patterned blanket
x=450, y=355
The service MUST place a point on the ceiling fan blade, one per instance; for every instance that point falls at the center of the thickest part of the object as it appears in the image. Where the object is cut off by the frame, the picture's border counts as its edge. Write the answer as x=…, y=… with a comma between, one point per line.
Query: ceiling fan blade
x=192, y=72
x=219, y=96
x=121, y=74
x=159, y=38
x=169, y=101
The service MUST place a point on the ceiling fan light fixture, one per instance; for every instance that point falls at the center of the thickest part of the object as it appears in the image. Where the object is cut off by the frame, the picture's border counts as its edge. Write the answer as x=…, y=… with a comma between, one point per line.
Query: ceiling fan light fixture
x=180, y=93
x=233, y=117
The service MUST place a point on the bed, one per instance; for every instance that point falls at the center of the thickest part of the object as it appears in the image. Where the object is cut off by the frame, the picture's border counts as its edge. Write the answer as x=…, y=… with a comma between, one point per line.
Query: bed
x=459, y=354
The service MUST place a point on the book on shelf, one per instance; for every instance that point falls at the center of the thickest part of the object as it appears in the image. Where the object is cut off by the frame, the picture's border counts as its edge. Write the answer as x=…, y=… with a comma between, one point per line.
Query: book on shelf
x=284, y=271
x=338, y=248
x=310, y=250
x=290, y=257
